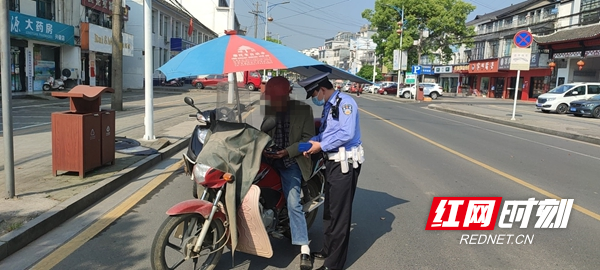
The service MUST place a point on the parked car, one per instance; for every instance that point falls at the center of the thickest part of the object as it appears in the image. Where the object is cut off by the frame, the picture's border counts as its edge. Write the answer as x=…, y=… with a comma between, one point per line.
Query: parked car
x=559, y=98
x=210, y=80
x=588, y=107
x=374, y=88
x=390, y=89
x=346, y=87
x=432, y=90
x=407, y=92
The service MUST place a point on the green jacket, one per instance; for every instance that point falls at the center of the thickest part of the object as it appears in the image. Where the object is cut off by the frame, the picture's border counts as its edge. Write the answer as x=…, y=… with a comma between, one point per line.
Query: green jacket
x=302, y=128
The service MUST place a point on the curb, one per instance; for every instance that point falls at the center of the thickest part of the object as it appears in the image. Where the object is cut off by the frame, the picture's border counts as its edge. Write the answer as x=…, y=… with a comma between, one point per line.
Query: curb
x=17, y=239
x=583, y=138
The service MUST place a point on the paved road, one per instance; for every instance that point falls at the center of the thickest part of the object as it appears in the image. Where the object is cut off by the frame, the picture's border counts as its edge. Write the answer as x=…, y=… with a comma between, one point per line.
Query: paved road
x=414, y=154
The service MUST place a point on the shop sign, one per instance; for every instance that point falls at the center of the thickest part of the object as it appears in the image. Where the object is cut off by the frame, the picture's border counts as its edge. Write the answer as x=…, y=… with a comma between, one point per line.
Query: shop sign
x=461, y=69
x=104, y=6
x=487, y=66
x=442, y=69
x=26, y=26
x=179, y=44
x=100, y=40
x=504, y=63
x=427, y=70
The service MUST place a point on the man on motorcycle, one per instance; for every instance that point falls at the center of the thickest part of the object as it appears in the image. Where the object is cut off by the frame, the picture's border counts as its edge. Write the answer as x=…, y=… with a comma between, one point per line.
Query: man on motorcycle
x=295, y=124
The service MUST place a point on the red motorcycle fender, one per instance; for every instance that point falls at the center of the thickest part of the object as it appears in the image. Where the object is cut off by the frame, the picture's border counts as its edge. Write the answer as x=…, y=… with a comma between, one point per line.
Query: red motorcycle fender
x=201, y=207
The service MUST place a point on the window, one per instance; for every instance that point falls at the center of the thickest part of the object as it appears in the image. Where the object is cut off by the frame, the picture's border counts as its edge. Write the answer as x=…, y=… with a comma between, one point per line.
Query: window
x=45, y=9
x=495, y=46
x=154, y=26
x=161, y=26
x=177, y=33
x=507, y=45
x=508, y=22
x=14, y=5
x=479, y=51
x=522, y=19
x=165, y=26
x=590, y=11
x=166, y=55
x=593, y=89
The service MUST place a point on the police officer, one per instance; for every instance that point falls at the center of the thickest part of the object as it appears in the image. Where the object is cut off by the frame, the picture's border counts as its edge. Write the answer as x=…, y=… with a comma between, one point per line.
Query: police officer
x=339, y=140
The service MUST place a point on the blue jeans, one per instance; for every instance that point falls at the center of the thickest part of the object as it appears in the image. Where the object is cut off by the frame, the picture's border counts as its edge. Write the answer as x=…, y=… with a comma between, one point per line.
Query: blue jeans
x=291, y=179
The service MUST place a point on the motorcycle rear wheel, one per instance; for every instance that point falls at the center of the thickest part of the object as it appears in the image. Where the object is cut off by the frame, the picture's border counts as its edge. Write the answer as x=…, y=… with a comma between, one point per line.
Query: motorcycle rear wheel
x=170, y=240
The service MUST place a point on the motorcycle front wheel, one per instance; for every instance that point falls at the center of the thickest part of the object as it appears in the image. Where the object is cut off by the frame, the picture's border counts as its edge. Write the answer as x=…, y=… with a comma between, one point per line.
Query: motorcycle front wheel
x=177, y=234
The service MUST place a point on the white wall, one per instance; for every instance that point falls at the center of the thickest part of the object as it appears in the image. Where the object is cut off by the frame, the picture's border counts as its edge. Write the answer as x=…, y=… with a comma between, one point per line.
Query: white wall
x=133, y=67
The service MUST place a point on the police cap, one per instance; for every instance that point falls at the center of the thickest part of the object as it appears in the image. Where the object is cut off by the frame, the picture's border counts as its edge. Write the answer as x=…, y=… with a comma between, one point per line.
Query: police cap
x=311, y=83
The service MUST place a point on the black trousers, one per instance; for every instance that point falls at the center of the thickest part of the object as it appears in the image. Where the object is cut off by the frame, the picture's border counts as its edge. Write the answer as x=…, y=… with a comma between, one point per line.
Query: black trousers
x=337, y=215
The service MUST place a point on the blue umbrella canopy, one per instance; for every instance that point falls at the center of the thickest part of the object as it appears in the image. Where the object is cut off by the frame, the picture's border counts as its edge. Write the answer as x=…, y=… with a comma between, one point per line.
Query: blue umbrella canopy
x=234, y=53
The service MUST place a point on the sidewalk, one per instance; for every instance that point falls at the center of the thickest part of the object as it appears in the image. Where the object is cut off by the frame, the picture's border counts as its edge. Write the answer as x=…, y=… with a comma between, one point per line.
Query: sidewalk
x=526, y=117
x=43, y=201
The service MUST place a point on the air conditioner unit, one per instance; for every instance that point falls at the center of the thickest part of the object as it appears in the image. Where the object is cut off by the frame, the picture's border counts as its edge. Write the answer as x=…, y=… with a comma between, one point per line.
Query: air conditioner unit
x=73, y=73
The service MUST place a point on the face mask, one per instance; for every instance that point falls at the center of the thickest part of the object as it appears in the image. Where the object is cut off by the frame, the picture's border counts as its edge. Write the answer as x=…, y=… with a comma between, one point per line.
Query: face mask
x=318, y=102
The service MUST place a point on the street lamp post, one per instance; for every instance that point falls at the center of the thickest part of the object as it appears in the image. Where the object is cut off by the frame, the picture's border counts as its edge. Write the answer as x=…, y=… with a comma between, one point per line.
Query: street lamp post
x=401, y=12
x=267, y=20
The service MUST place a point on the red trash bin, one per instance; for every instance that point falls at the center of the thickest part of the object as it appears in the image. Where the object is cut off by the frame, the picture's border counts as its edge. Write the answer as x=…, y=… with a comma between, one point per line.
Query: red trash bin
x=420, y=95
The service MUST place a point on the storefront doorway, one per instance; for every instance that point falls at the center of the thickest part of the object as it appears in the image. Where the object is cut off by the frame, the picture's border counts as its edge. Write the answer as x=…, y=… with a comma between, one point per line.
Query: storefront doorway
x=511, y=87
x=46, y=64
x=103, y=67
x=499, y=88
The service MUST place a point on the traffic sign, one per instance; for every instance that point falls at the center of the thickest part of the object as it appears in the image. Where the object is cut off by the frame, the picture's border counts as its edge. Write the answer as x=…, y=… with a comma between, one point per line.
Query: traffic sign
x=410, y=78
x=523, y=39
x=416, y=70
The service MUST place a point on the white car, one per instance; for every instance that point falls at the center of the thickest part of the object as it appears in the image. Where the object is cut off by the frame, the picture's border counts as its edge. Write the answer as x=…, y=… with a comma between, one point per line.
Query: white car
x=432, y=90
x=558, y=99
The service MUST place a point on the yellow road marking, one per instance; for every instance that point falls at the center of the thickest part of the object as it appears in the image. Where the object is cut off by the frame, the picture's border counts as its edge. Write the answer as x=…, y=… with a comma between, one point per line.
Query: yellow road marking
x=490, y=168
x=68, y=248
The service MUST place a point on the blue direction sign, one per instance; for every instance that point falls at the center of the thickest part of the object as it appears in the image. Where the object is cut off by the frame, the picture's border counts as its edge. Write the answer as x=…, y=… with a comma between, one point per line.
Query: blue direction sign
x=523, y=39
x=416, y=70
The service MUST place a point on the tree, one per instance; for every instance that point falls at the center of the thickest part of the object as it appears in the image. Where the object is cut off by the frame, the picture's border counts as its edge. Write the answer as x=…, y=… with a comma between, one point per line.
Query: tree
x=274, y=40
x=444, y=19
x=366, y=72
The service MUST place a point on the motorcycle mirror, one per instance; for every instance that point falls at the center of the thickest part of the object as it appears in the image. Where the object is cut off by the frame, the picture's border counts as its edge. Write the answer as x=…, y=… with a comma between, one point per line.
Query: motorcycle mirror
x=268, y=124
x=190, y=101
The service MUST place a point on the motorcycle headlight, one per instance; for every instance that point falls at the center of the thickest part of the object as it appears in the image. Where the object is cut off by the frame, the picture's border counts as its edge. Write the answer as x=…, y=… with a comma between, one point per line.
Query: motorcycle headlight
x=199, y=172
x=202, y=135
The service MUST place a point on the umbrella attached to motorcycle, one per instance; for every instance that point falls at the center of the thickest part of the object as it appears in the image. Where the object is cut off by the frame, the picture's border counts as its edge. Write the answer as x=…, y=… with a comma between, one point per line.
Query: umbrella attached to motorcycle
x=241, y=203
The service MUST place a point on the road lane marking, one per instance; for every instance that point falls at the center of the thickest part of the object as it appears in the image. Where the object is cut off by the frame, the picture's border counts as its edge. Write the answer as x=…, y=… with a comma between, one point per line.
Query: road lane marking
x=97, y=227
x=487, y=167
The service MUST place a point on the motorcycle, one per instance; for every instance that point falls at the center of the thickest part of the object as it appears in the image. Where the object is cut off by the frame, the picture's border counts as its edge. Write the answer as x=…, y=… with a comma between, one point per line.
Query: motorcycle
x=199, y=229
x=173, y=82
x=54, y=84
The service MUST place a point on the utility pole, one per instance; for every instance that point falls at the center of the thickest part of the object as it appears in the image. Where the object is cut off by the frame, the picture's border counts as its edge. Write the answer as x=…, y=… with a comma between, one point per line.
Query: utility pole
x=7, y=126
x=148, y=73
x=117, y=56
x=256, y=12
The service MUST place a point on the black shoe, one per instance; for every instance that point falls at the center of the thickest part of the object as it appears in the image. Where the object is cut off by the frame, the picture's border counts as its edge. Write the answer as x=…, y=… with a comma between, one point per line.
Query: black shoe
x=305, y=262
x=318, y=255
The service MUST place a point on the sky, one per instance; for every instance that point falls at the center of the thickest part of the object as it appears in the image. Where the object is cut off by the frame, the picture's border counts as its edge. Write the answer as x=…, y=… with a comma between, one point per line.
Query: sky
x=303, y=24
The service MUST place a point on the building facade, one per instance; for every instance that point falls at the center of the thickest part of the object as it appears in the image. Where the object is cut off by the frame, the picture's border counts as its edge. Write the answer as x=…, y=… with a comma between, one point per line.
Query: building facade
x=488, y=60
x=43, y=42
x=170, y=35
x=574, y=48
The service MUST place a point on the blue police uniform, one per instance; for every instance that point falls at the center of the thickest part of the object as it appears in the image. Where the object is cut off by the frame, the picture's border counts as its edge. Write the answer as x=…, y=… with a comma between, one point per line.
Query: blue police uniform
x=340, y=140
